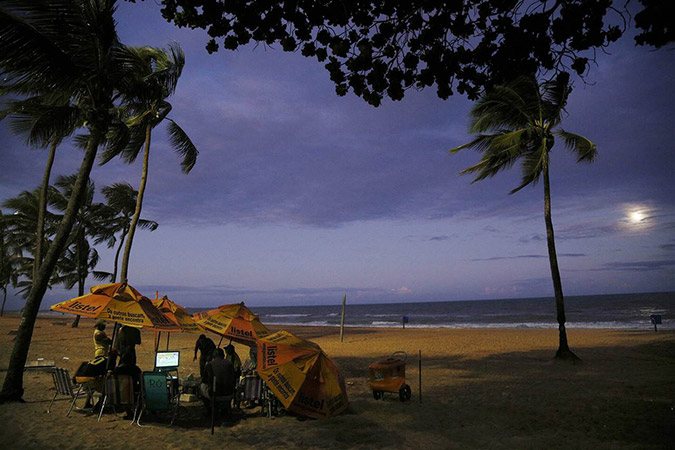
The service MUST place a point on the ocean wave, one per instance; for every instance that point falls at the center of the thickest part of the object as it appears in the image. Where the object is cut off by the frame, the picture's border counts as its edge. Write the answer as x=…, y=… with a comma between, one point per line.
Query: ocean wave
x=315, y=323
x=287, y=315
x=626, y=326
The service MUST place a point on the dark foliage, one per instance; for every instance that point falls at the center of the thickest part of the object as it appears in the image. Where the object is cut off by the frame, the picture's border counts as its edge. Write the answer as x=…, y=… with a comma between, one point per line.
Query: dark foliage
x=380, y=48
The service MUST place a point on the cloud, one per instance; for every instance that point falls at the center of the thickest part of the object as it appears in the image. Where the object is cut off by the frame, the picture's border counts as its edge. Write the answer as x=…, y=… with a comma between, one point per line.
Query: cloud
x=443, y=237
x=402, y=290
x=639, y=266
x=667, y=247
x=534, y=237
x=499, y=258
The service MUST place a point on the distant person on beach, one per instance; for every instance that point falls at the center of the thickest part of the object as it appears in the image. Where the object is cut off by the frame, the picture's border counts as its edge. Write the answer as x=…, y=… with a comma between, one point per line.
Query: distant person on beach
x=126, y=340
x=222, y=371
x=205, y=346
x=101, y=340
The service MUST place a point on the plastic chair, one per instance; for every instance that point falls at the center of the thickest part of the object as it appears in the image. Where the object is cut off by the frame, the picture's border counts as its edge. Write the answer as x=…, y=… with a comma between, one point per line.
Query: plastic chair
x=159, y=394
x=250, y=389
x=64, y=386
x=271, y=406
x=118, y=392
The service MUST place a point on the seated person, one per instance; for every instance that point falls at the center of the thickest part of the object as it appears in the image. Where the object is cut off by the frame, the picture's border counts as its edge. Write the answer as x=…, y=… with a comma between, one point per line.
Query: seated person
x=101, y=340
x=127, y=366
x=231, y=355
x=222, y=371
x=251, y=363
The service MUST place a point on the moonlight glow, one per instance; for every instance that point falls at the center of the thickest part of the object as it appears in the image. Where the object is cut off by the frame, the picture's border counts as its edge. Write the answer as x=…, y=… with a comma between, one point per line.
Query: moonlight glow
x=636, y=216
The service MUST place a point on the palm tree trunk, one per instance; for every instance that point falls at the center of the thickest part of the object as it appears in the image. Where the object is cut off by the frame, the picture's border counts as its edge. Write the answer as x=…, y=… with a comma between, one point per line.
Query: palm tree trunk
x=12, y=388
x=42, y=211
x=4, y=299
x=80, y=281
x=564, y=351
x=117, y=253
x=139, y=206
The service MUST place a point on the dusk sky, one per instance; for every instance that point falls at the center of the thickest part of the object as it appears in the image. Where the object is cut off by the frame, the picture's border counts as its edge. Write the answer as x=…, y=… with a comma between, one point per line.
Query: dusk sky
x=300, y=196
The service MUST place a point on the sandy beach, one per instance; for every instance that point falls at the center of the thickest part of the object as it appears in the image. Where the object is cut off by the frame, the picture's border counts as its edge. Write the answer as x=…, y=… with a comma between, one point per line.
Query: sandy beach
x=480, y=389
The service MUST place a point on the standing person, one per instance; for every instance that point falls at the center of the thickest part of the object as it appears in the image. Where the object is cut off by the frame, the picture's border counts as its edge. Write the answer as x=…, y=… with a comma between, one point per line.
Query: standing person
x=125, y=343
x=101, y=340
x=206, y=347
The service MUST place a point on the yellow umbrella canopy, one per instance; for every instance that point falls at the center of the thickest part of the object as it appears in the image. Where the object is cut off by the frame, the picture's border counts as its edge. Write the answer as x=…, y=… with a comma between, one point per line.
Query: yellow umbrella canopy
x=178, y=314
x=300, y=374
x=118, y=302
x=235, y=321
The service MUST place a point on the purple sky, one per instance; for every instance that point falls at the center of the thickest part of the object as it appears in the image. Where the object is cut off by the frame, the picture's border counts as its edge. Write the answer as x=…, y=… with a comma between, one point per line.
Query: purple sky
x=299, y=195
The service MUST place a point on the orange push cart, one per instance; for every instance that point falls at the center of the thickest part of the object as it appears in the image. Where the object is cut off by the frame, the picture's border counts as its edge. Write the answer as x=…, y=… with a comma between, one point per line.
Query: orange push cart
x=388, y=375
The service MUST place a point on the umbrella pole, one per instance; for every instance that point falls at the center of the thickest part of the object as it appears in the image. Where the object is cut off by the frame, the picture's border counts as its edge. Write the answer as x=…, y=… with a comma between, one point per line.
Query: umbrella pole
x=157, y=338
x=109, y=364
x=220, y=341
x=168, y=335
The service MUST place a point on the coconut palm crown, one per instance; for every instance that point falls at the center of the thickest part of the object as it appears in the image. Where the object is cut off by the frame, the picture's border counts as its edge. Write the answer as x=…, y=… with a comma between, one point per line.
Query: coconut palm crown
x=518, y=122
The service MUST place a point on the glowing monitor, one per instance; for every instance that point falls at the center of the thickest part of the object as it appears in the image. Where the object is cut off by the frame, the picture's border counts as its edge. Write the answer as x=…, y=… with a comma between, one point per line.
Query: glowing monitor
x=167, y=360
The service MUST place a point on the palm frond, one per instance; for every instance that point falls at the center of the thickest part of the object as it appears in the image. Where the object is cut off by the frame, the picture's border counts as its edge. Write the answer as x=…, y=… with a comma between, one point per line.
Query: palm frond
x=554, y=95
x=33, y=49
x=183, y=145
x=148, y=224
x=532, y=167
x=102, y=276
x=582, y=147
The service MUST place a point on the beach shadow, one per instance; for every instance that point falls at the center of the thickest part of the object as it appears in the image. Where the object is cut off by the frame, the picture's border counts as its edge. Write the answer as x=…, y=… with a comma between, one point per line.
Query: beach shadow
x=617, y=395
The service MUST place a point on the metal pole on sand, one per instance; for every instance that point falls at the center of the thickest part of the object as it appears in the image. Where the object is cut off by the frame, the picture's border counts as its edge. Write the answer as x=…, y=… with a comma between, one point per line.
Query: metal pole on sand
x=420, y=374
x=342, y=319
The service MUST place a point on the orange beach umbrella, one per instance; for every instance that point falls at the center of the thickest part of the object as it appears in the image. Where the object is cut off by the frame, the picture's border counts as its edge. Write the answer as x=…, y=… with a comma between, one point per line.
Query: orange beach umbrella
x=236, y=322
x=300, y=374
x=118, y=302
x=178, y=314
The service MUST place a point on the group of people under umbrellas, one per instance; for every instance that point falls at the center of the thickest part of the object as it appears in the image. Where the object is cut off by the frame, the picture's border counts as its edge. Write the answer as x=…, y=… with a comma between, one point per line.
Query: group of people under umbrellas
x=297, y=371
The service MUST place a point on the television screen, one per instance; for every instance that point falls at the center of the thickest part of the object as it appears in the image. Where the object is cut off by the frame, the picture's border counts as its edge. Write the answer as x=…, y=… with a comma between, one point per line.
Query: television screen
x=167, y=359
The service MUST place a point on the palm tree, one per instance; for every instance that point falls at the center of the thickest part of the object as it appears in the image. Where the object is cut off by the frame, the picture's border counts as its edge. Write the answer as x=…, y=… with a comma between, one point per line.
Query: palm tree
x=20, y=235
x=66, y=51
x=94, y=220
x=121, y=199
x=44, y=124
x=522, y=118
x=8, y=269
x=148, y=109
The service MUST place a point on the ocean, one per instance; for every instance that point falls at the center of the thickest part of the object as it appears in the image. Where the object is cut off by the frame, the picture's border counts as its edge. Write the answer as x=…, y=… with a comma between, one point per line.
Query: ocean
x=614, y=312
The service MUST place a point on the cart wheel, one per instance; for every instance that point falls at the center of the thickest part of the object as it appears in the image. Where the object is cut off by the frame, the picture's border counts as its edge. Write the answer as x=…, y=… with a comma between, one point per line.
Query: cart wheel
x=404, y=393
x=377, y=395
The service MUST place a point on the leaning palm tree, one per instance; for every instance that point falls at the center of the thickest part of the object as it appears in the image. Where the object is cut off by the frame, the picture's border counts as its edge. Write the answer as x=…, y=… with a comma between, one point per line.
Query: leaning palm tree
x=67, y=51
x=121, y=199
x=148, y=108
x=8, y=262
x=95, y=221
x=521, y=119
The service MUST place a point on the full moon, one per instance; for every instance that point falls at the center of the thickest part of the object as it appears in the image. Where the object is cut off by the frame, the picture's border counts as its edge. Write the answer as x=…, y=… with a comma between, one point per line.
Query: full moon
x=636, y=216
